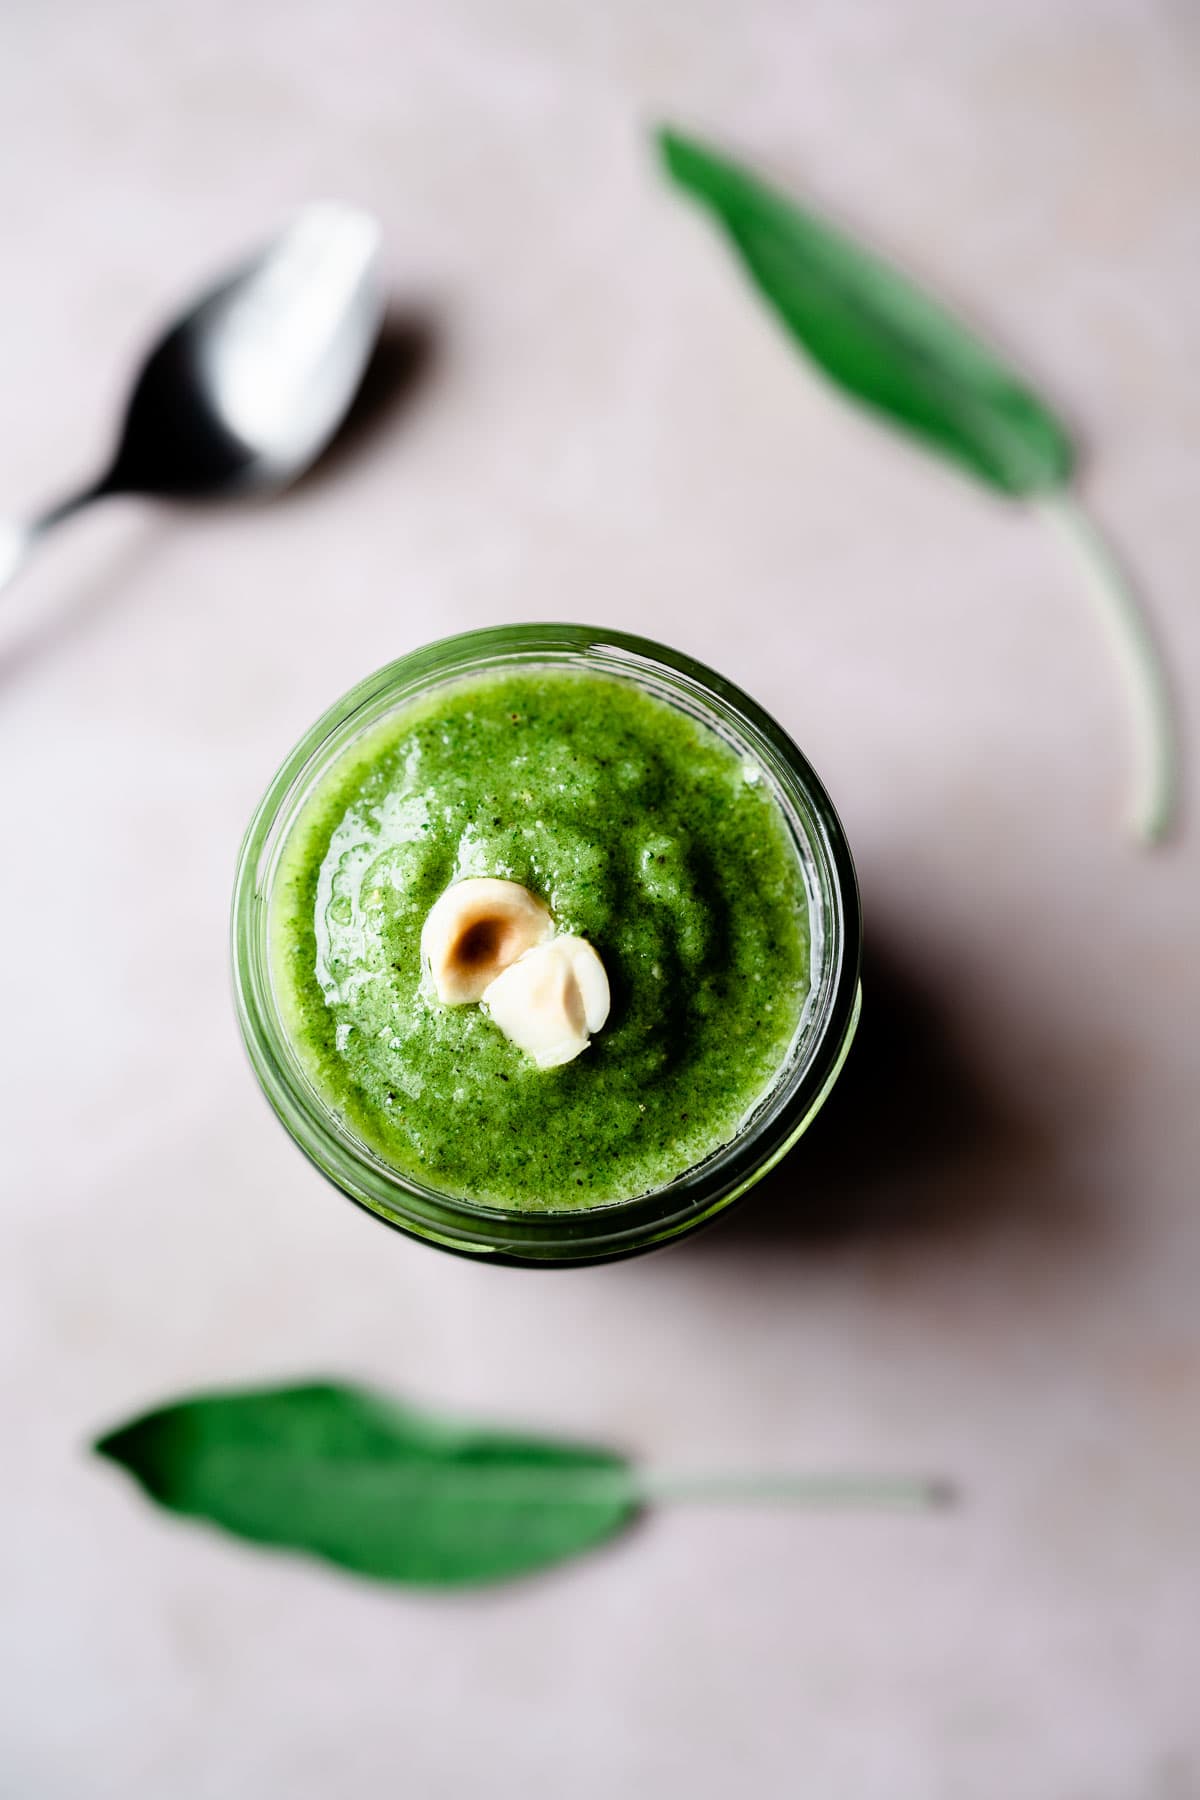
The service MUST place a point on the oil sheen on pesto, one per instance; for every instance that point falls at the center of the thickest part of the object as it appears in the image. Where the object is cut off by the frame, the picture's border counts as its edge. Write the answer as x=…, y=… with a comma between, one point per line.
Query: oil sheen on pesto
x=646, y=833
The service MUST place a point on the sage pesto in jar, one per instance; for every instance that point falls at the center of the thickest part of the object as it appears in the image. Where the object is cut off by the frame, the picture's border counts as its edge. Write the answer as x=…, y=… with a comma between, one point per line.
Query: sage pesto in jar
x=646, y=834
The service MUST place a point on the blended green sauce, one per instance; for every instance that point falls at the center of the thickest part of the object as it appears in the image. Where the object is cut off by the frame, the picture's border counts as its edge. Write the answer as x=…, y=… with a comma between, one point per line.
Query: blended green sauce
x=646, y=834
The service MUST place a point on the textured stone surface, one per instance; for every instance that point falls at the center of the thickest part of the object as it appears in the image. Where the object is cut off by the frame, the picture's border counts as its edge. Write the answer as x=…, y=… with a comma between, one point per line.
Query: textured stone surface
x=983, y=1262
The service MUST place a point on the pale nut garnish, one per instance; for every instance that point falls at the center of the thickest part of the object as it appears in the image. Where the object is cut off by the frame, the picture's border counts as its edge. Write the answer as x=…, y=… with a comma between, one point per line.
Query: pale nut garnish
x=550, y=1000
x=475, y=930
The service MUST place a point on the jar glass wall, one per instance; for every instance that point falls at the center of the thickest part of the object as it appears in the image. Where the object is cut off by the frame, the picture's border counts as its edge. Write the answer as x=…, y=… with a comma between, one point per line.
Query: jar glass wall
x=605, y=1229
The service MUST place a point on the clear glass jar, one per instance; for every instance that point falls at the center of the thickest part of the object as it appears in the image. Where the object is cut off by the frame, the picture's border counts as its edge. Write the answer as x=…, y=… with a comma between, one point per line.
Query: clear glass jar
x=819, y=1047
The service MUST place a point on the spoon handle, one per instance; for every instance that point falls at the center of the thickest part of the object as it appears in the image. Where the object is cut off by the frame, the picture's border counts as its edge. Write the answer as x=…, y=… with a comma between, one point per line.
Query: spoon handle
x=17, y=540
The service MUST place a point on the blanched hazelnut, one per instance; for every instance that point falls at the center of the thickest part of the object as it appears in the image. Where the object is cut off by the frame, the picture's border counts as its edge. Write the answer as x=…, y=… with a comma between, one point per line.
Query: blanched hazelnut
x=476, y=930
x=550, y=1000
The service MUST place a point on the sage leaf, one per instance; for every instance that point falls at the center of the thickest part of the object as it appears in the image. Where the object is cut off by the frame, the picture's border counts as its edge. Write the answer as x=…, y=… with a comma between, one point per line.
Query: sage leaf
x=358, y=1479
x=354, y=1477
x=894, y=348
x=876, y=333
x=1154, y=792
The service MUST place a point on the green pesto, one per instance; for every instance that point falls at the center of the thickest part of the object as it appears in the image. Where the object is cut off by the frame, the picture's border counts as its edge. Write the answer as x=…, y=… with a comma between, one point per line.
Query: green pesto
x=646, y=834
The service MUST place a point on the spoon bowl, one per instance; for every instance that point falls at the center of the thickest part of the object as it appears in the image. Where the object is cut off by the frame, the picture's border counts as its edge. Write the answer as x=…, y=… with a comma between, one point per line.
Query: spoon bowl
x=241, y=395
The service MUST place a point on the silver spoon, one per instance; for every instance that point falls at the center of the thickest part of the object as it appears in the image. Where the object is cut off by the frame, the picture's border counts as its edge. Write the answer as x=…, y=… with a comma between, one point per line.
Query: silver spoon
x=247, y=388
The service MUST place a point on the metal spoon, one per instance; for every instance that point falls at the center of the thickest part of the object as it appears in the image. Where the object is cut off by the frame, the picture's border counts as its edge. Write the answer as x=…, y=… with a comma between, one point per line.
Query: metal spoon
x=245, y=391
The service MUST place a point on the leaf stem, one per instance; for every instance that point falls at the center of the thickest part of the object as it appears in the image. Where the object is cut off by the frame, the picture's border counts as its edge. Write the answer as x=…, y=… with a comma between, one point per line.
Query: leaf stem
x=906, y=1493
x=1155, y=790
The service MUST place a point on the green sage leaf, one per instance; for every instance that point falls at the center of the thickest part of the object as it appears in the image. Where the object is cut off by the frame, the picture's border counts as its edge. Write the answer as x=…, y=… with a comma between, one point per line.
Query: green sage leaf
x=351, y=1476
x=876, y=333
x=897, y=350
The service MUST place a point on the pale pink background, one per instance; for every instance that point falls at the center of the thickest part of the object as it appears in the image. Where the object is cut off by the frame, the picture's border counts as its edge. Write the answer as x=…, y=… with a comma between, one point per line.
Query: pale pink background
x=611, y=431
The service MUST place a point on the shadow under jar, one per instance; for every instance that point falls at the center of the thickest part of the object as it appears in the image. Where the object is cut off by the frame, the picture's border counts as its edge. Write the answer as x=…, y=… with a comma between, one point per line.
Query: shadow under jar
x=661, y=814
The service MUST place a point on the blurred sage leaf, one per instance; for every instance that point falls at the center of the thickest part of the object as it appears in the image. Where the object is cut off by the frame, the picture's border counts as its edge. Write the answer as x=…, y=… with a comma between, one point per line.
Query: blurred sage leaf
x=876, y=333
x=886, y=342
x=354, y=1477
x=362, y=1481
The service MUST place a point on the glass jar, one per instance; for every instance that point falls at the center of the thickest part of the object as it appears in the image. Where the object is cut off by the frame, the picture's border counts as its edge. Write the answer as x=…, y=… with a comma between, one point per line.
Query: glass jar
x=819, y=1046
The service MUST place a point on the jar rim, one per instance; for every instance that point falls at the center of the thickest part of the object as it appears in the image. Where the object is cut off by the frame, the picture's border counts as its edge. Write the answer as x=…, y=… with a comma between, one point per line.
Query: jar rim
x=778, y=1118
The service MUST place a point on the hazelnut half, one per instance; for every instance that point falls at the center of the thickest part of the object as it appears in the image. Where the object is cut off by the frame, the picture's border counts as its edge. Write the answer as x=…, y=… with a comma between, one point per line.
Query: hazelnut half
x=475, y=930
x=550, y=1000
